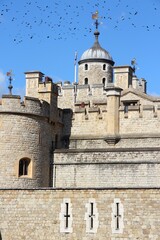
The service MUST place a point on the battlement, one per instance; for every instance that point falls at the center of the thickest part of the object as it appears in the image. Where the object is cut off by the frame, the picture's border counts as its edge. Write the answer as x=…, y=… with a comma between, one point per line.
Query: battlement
x=100, y=107
x=140, y=111
x=95, y=120
x=33, y=106
x=48, y=86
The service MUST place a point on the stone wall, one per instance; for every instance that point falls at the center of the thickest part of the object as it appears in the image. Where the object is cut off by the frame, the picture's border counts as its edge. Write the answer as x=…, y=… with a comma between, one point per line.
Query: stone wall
x=25, y=132
x=95, y=72
x=37, y=214
x=107, y=168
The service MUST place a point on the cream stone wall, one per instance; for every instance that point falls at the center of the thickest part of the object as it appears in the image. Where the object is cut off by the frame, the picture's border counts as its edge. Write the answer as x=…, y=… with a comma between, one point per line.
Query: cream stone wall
x=95, y=73
x=136, y=121
x=34, y=214
x=25, y=133
x=123, y=76
x=107, y=168
x=33, y=78
x=66, y=97
x=130, y=140
x=91, y=122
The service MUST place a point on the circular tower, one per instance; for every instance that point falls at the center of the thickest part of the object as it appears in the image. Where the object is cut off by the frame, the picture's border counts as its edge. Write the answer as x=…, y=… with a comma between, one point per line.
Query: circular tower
x=26, y=142
x=95, y=65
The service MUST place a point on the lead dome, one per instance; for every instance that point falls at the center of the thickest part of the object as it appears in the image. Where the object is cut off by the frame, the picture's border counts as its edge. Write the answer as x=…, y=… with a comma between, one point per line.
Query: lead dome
x=96, y=52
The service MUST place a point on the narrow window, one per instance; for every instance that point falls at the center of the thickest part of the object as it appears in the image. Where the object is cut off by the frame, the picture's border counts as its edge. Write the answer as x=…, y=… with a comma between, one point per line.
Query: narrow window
x=86, y=66
x=86, y=81
x=104, y=82
x=104, y=66
x=117, y=217
x=24, y=167
x=91, y=216
x=66, y=216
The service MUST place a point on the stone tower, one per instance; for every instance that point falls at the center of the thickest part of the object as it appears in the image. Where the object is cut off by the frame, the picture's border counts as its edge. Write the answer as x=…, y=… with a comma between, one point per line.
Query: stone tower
x=95, y=65
x=28, y=134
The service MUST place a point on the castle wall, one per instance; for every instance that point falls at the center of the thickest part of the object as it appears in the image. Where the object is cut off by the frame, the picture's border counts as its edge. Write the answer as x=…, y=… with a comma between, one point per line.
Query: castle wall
x=66, y=97
x=144, y=119
x=127, y=140
x=95, y=121
x=35, y=214
x=89, y=122
x=107, y=168
x=95, y=73
x=25, y=133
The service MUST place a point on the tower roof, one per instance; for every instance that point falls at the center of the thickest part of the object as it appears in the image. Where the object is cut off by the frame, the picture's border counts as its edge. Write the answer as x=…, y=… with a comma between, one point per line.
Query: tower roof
x=96, y=52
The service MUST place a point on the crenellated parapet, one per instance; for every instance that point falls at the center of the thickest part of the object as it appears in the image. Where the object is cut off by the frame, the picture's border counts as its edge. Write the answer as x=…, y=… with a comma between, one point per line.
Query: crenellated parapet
x=71, y=95
x=12, y=104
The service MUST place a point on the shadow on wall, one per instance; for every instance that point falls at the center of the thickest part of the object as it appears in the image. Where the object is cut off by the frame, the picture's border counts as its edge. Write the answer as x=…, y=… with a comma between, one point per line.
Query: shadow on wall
x=0, y=236
x=67, y=119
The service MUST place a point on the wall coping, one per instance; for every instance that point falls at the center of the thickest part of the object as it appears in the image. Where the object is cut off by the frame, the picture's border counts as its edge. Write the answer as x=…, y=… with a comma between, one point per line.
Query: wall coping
x=144, y=149
x=81, y=189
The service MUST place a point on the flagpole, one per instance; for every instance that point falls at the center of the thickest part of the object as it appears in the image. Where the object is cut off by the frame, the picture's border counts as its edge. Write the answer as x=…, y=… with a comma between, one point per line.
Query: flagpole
x=75, y=68
x=75, y=76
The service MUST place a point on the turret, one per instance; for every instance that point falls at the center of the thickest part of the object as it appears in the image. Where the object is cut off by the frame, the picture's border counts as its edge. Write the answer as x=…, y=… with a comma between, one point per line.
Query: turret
x=95, y=65
x=44, y=89
x=26, y=143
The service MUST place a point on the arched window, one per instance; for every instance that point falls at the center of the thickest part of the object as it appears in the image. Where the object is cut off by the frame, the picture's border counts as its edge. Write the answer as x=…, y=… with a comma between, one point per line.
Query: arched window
x=86, y=66
x=24, y=164
x=104, y=66
x=86, y=81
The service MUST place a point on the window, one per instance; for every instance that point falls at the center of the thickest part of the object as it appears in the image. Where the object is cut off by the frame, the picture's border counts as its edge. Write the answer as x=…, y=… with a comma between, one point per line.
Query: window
x=104, y=82
x=66, y=216
x=24, y=167
x=91, y=217
x=129, y=103
x=86, y=81
x=117, y=216
x=104, y=66
x=86, y=66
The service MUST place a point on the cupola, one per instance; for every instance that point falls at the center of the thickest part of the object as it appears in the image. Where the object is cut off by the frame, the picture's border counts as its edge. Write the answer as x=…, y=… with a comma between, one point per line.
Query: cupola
x=96, y=53
x=95, y=65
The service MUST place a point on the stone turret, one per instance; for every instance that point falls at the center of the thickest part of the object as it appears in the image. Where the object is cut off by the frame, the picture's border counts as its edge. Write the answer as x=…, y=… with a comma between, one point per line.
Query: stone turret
x=30, y=130
x=26, y=137
x=95, y=65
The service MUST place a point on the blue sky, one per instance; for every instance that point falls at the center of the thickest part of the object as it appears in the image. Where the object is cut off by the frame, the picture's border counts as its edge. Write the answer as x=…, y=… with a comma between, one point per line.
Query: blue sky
x=44, y=35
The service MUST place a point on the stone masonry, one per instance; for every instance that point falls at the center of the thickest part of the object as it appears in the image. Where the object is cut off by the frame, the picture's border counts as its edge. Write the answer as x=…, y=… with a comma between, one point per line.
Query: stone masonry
x=81, y=161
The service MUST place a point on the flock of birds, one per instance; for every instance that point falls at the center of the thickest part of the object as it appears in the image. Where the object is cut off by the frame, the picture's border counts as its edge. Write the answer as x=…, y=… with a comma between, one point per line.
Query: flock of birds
x=62, y=19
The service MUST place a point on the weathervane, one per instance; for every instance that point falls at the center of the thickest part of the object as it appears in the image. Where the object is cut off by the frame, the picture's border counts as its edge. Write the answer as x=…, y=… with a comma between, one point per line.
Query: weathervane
x=95, y=17
x=10, y=75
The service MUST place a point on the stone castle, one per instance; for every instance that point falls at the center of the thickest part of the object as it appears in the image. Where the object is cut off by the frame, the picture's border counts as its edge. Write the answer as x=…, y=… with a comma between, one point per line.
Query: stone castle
x=81, y=161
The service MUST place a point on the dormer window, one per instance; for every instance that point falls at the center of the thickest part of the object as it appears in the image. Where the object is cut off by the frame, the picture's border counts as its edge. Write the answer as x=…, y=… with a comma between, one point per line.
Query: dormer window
x=86, y=81
x=128, y=104
x=86, y=66
x=104, y=66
